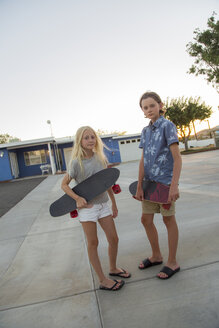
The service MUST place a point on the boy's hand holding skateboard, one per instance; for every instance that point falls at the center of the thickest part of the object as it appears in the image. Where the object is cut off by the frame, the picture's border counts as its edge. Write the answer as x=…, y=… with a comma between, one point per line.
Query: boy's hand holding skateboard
x=173, y=193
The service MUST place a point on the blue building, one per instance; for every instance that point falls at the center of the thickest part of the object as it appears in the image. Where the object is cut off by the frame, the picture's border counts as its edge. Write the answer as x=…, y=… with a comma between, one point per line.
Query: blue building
x=34, y=157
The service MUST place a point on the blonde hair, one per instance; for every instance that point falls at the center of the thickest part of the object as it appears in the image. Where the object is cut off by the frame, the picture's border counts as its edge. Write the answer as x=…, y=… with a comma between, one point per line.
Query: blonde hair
x=79, y=153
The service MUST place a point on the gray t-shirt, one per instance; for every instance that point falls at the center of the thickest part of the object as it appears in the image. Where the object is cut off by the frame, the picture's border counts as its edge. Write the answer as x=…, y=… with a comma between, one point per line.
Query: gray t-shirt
x=90, y=167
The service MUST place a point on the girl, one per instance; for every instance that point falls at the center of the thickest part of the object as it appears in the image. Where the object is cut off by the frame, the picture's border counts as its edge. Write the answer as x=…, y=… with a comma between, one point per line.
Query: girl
x=160, y=162
x=87, y=159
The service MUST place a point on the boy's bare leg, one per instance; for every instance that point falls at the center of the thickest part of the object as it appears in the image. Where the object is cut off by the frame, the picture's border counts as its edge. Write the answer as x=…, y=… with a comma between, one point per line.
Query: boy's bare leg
x=173, y=236
x=151, y=231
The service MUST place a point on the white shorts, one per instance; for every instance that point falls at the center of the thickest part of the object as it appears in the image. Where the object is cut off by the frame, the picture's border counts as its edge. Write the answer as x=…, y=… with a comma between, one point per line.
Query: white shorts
x=94, y=213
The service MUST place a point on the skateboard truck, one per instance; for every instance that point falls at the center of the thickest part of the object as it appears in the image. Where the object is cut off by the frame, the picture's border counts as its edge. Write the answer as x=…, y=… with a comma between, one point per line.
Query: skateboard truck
x=73, y=214
x=116, y=189
x=166, y=206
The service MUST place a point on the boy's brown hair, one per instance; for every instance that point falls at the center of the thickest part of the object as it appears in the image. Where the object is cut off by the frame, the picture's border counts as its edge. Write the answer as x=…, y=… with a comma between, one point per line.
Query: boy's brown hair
x=155, y=96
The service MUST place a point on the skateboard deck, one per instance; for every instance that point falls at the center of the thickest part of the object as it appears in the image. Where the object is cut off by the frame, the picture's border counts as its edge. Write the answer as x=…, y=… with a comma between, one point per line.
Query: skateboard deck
x=88, y=189
x=155, y=192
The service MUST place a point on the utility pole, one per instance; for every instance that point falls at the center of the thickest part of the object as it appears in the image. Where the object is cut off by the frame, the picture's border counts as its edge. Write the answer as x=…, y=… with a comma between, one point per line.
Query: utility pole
x=49, y=122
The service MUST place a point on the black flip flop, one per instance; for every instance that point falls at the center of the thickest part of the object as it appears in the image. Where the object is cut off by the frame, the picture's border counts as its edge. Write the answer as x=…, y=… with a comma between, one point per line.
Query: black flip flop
x=121, y=274
x=168, y=271
x=121, y=284
x=147, y=264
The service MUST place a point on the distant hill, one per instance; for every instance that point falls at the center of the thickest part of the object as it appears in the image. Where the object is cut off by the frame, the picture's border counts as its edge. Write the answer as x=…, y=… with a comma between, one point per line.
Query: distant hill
x=206, y=132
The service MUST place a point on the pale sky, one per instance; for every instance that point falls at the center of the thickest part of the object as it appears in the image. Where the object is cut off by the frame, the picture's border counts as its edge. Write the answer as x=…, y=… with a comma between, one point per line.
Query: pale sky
x=87, y=62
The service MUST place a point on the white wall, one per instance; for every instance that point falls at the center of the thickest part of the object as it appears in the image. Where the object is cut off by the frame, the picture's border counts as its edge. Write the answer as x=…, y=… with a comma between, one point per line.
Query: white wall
x=198, y=143
x=130, y=151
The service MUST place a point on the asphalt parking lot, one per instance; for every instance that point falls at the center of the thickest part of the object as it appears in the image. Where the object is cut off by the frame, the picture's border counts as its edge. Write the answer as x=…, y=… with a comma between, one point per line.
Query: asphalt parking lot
x=12, y=192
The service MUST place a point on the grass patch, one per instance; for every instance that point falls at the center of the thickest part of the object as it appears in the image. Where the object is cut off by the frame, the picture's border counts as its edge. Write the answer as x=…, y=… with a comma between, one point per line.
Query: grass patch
x=197, y=150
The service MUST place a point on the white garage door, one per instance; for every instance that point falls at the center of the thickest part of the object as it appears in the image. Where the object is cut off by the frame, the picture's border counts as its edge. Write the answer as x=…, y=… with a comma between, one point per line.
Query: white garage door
x=67, y=154
x=129, y=150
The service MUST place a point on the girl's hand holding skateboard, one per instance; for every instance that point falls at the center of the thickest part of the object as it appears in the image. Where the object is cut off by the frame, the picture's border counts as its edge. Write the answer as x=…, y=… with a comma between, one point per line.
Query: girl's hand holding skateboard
x=114, y=211
x=82, y=203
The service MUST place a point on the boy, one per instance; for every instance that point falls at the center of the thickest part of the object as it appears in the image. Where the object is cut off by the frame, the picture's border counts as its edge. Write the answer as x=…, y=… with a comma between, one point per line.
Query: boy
x=160, y=162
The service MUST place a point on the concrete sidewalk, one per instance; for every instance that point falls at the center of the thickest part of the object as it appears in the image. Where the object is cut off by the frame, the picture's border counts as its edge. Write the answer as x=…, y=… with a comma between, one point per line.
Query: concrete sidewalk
x=46, y=279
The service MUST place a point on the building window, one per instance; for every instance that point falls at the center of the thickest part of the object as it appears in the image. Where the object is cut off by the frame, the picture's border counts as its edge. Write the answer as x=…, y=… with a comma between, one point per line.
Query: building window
x=122, y=142
x=35, y=157
x=127, y=141
x=138, y=140
x=133, y=140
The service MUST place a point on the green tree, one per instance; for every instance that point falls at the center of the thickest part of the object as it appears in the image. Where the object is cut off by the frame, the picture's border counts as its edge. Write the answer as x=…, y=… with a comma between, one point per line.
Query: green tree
x=205, y=49
x=5, y=138
x=183, y=112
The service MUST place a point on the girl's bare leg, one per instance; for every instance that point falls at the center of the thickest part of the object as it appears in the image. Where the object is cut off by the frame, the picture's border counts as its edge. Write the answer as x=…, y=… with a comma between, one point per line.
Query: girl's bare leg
x=151, y=231
x=108, y=226
x=90, y=230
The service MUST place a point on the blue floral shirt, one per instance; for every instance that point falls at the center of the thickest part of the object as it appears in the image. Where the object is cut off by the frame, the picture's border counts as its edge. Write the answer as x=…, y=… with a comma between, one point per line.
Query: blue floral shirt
x=156, y=140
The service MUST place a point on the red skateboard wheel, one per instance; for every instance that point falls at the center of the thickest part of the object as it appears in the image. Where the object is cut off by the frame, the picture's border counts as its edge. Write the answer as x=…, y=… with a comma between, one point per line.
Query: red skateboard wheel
x=74, y=214
x=116, y=189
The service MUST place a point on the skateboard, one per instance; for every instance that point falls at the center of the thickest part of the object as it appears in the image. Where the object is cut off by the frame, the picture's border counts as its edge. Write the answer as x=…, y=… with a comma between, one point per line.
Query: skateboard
x=155, y=192
x=116, y=190
x=88, y=189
